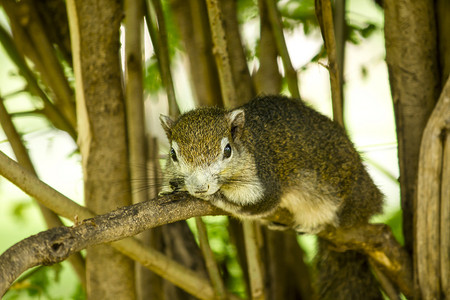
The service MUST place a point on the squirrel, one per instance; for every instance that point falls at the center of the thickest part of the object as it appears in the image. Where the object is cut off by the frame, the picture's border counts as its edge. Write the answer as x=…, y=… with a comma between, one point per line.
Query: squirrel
x=277, y=152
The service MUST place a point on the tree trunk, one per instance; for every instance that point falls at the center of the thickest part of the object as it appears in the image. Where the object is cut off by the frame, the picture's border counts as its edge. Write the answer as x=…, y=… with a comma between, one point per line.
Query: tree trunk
x=102, y=135
x=411, y=56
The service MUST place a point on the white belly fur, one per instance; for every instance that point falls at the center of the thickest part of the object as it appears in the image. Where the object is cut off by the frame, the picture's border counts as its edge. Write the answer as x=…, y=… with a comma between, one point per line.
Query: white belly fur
x=311, y=211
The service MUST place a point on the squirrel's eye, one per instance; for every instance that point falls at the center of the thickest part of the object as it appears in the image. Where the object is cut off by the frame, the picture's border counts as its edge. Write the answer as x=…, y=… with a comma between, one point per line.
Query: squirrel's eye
x=227, y=151
x=173, y=155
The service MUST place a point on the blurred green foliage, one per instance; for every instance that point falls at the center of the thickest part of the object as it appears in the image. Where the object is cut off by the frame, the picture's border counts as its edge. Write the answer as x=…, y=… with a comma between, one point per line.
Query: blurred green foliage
x=39, y=283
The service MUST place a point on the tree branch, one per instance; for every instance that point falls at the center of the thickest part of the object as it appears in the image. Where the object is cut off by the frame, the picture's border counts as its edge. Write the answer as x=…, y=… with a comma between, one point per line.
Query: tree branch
x=57, y=244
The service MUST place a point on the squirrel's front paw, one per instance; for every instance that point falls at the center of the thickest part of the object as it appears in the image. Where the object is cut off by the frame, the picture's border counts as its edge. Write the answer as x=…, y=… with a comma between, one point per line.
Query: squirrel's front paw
x=164, y=193
x=166, y=190
x=204, y=197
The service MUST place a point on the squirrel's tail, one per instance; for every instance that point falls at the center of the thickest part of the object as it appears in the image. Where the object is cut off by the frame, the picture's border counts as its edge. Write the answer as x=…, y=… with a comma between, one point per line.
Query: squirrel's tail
x=344, y=275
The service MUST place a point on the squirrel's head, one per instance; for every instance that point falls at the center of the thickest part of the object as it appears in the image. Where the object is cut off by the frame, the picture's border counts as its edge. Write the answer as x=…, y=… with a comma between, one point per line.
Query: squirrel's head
x=204, y=149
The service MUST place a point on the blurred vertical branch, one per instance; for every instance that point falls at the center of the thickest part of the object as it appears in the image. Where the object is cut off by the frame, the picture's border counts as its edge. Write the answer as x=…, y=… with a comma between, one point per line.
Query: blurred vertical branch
x=134, y=98
x=221, y=54
x=211, y=264
x=161, y=45
x=324, y=15
x=255, y=270
x=267, y=79
x=146, y=284
x=340, y=27
x=277, y=29
x=238, y=62
x=192, y=19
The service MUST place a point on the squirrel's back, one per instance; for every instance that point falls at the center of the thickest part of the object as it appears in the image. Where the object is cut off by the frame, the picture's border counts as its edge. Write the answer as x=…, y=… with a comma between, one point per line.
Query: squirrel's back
x=311, y=160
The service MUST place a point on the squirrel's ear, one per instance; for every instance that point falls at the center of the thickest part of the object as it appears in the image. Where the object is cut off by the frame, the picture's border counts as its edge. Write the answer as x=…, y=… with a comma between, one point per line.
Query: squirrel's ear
x=236, y=120
x=167, y=124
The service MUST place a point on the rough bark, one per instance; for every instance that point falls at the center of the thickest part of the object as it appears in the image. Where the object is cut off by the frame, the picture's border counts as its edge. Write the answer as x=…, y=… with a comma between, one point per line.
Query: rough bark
x=102, y=135
x=411, y=56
